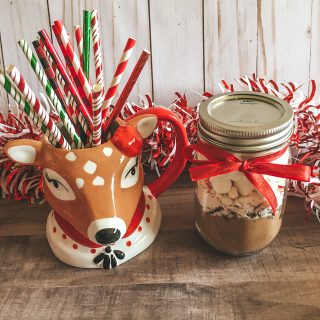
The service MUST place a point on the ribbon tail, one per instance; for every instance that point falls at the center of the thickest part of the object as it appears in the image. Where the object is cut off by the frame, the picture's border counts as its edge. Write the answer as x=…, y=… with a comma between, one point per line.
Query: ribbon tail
x=297, y=172
x=262, y=185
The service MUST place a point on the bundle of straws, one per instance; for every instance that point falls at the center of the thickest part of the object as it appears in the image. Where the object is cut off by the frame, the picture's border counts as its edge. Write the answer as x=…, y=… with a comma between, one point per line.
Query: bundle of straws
x=85, y=110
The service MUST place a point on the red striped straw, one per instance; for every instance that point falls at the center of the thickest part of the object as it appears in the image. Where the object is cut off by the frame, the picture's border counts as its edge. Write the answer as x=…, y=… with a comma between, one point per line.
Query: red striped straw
x=127, y=89
x=72, y=103
x=62, y=35
x=96, y=114
x=68, y=82
x=72, y=72
x=34, y=102
x=79, y=40
x=97, y=51
x=38, y=46
x=118, y=74
x=70, y=99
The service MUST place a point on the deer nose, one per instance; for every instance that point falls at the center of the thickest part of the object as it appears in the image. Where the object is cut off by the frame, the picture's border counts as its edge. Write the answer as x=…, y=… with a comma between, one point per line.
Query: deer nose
x=106, y=230
x=108, y=235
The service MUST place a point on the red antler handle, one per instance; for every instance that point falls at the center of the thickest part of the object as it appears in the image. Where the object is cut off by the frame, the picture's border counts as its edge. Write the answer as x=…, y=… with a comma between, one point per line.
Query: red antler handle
x=176, y=166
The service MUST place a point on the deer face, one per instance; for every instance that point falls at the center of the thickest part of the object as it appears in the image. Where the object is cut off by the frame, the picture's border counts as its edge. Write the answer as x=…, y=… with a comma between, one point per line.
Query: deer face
x=97, y=189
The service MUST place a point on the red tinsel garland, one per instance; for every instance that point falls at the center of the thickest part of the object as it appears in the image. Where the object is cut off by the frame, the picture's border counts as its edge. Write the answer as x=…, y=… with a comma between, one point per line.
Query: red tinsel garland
x=24, y=182
x=17, y=181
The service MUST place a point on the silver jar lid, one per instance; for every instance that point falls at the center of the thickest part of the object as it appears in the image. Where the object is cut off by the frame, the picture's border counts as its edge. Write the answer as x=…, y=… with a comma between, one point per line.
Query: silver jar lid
x=246, y=122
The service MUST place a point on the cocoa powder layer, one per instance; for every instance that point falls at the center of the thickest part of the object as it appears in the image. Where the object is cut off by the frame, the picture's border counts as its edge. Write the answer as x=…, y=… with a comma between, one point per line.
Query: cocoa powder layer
x=238, y=236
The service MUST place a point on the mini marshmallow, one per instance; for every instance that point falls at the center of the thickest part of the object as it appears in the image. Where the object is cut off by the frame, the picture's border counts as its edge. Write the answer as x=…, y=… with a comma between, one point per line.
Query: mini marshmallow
x=226, y=200
x=220, y=184
x=212, y=203
x=203, y=186
x=255, y=198
x=244, y=200
x=233, y=193
x=202, y=198
x=234, y=176
x=244, y=186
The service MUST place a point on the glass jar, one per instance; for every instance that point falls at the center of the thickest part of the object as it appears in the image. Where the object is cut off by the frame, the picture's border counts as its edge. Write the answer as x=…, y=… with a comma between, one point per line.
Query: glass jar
x=231, y=214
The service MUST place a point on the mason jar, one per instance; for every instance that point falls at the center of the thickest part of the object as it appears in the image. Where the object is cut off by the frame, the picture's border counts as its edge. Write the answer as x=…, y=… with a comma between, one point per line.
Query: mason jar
x=232, y=215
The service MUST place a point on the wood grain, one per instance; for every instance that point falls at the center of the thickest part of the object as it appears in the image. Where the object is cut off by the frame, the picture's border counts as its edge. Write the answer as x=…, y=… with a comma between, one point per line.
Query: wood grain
x=230, y=40
x=178, y=277
x=284, y=39
x=21, y=19
x=177, y=49
x=3, y=95
x=195, y=43
x=119, y=20
x=315, y=43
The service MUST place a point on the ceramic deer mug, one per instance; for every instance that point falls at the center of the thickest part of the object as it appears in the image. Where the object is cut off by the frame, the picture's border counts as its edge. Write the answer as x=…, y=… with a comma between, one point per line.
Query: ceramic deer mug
x=102, y=214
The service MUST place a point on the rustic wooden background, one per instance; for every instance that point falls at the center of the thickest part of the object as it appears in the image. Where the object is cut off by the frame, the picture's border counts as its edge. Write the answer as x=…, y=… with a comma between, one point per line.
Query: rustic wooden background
x=194, y=43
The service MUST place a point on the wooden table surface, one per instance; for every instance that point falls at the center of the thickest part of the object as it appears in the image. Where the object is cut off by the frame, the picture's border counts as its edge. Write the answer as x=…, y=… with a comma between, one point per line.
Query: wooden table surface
x=178, y=277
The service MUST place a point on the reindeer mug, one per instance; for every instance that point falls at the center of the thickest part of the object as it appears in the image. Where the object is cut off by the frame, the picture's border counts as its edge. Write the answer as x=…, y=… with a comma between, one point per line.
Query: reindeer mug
x=102, y=215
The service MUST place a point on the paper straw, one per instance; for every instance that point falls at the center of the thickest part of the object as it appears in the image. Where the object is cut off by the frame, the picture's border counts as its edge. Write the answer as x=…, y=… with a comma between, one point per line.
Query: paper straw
x=118, y=73
x=65, y=111
x=53, y=65
x=70, y=99
x=79, y=40
x=39, y=71
x=14, y=93
x=127, y=89
x=50, y=92
x=61, y=33
x=86, y=42
x=97, y=51
x=10, y=89
x=96, y=112
x=38, y=46
x=68, y=82
x=72, y=72
x=35, y=104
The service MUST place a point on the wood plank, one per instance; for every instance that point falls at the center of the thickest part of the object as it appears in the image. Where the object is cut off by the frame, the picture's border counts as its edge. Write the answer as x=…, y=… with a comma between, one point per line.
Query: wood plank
x=3, y=95
x=230, y=40
x=315, y=44
x=175, y=257
x=284, y=40
x=21, y=20
x=264, y=300
x=119, y=20
x=177, y=48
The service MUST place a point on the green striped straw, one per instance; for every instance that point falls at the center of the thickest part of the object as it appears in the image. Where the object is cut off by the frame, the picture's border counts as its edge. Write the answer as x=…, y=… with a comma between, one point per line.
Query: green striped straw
x=13, y=92
x=86, y=42
x=50, y=92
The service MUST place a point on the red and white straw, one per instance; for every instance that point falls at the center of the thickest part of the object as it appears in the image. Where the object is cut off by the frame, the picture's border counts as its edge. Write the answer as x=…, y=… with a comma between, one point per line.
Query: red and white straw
x=96, y=114
x=127, y=89
x=97, y=51
x=34, y=102
x=79, y=40
x=62, y=34
x=118, y=73
x=81, y=109
x=70, y=100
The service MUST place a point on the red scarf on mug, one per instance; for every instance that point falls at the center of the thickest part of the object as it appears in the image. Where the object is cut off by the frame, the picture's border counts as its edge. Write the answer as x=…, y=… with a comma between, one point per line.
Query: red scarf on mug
x=220, y=161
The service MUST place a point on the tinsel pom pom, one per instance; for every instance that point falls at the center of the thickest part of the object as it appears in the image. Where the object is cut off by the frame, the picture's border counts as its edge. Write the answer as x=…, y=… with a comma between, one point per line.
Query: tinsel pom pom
x=18, y=181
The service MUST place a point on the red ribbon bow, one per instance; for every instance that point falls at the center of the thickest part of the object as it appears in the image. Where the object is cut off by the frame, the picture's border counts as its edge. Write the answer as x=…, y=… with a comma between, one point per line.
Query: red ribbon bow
x=222, y=162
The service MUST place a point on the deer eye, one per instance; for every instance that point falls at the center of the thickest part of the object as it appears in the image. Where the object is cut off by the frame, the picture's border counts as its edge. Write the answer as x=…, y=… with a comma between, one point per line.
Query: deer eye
x=130, y=174
x=58, y=186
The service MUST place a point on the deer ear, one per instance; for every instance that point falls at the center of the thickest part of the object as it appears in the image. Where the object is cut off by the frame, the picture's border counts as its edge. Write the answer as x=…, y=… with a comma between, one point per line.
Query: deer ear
x=146, y=126
x=24, y=151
